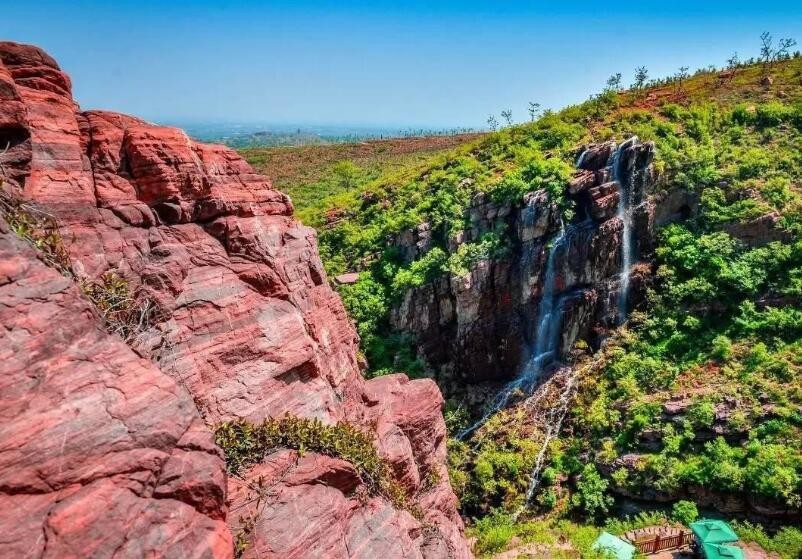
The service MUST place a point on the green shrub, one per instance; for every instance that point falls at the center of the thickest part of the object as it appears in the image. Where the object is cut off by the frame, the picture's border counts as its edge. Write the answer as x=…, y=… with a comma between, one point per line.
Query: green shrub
x=787, y=542
x=684, y=512
x=774, y=471
x=244, y=444
x=702, y=413
x=591, y=493
x=420, y=271
x=126, y=312
x=491, y=245
x=722, y=348
x=771, y=114
x=547, y=498
x=493, y=532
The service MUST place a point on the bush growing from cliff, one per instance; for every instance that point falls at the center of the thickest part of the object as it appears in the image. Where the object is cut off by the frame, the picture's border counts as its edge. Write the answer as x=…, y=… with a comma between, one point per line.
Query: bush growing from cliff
x=420, y=271
x=125, y=312
x=37, y=228
x=245, y=444
x=490, y=246
x=702, y=413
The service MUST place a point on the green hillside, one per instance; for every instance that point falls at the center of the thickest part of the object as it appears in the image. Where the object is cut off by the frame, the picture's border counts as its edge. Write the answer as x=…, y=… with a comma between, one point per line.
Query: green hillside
x=703, y=386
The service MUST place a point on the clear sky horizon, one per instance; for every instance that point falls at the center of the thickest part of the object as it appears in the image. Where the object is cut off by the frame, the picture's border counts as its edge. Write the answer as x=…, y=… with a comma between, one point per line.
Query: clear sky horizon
x=381, y=63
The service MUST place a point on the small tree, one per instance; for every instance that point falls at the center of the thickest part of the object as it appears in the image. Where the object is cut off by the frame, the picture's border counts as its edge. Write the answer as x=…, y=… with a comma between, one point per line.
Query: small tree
x=766, y=49
x=684, y=512
x=507, y=116
x=680, y=77
x=346, y=174
x=614, y=82
x=591, y=494
x=492, y=123
x=534, y=110
x=733, y=62
x=784, y=47
x=641, y=75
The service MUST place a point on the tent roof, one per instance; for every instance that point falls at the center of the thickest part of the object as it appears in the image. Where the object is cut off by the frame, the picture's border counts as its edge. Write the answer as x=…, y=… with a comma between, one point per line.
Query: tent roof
x=713, y=531
x=721, y=551
x=617, y=546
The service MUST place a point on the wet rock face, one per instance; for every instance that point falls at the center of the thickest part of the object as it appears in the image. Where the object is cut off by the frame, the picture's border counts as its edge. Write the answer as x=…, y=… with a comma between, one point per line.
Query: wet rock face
x=481, y=327
x=246, y=324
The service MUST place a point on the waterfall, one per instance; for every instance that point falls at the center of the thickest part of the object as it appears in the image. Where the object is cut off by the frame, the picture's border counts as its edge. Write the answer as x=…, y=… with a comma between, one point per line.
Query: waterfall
x=547, y=335
x=580, y=159
x=552, y=419
x=625, y=203
x=548, y=319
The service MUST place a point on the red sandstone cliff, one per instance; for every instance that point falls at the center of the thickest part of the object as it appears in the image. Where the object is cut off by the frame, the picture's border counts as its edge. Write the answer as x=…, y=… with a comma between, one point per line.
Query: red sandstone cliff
x=102, y=452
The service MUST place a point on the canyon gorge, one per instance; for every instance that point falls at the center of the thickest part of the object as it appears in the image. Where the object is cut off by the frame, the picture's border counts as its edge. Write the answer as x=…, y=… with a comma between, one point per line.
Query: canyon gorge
x=533, y=333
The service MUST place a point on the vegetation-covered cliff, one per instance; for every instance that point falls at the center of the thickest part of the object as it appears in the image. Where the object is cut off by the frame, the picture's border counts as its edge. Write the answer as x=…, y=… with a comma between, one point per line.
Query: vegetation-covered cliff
x=694, y=393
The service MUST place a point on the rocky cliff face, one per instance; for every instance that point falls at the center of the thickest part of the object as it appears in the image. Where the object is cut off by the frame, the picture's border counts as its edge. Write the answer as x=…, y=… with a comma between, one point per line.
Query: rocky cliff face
x=482, y=326
x=103, y=452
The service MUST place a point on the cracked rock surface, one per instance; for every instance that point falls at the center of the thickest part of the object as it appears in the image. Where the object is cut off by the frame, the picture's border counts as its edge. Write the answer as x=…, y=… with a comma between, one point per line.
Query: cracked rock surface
x=105, y=449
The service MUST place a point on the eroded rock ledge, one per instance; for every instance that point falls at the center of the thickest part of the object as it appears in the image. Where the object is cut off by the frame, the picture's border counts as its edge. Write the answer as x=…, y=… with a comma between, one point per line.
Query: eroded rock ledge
x=103, y=452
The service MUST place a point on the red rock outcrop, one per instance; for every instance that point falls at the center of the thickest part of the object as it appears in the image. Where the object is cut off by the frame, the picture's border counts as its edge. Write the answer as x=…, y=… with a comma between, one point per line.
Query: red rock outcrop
x=246, y=322
x=101, y=454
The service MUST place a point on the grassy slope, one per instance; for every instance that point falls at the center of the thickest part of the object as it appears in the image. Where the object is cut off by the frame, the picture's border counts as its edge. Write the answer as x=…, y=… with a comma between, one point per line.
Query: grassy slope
x=311, y=174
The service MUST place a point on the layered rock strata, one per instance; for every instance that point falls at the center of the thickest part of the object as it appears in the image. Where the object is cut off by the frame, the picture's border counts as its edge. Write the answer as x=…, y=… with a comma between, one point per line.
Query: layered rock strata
x=245, y=326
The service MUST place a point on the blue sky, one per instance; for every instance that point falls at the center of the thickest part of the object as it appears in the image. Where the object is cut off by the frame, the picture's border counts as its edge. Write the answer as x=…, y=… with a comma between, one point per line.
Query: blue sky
x=412, y=63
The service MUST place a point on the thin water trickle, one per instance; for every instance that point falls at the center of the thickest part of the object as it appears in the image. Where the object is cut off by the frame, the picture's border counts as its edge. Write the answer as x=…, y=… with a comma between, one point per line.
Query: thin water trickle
x=552, y=423
x=624, y=213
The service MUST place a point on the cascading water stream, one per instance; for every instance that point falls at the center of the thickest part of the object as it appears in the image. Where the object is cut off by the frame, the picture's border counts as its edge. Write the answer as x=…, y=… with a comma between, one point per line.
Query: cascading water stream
x=554, y=416
x=543, y=334
x=552, y=419
x=549, y=321
x=624, y=213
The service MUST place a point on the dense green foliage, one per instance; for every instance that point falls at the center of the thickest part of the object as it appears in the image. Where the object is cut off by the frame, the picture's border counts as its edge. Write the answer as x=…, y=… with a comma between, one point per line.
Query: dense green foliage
x=591, y=495
x=723, y=319
x=494, y=470
x=552, y=538
x=684, y=512
x=722, y=326
x=786, y=542
x=371, y=221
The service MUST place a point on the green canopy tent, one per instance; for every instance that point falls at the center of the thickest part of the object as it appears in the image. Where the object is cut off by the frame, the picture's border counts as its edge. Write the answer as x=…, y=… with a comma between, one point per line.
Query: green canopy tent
x=722, y=551
x=713, y=531
x=615, y=546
